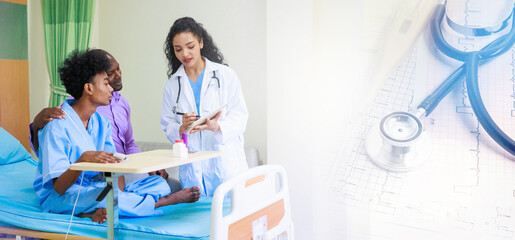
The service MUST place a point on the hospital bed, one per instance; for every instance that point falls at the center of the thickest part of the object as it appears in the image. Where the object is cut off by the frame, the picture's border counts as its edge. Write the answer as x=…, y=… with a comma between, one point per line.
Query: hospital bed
x=259, y=206
x=20, y=213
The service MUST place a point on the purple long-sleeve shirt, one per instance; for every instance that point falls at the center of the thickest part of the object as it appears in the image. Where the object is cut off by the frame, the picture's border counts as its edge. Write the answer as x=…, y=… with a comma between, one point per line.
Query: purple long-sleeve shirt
x=119, y=113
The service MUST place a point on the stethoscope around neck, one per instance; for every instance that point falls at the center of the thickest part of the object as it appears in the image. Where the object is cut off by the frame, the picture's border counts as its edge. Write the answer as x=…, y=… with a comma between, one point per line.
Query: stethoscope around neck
x=401, y=145
x=176, y=109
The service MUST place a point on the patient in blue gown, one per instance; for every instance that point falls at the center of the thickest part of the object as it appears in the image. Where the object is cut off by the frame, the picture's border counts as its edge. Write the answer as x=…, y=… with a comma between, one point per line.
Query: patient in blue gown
x=85, y=136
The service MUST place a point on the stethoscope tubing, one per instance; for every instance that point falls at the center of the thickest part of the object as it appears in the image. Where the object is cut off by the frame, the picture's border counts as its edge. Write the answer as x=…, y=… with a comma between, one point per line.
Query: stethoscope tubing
x=470, y=70
x=176, y=108
x=479, y=108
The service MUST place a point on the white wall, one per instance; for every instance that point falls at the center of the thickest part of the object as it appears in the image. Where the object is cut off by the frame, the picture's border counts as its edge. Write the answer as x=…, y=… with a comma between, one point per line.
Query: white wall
x=338, y=98
x=290, y=110
x=134, y=32
x=314, y=84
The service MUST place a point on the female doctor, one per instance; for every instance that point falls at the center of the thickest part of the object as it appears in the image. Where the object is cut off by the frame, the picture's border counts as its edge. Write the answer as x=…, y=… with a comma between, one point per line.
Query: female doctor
x=200, y=83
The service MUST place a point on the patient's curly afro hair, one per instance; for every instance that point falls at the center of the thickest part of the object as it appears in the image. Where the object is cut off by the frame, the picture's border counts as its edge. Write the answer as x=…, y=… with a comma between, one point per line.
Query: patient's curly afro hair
x=80, y=68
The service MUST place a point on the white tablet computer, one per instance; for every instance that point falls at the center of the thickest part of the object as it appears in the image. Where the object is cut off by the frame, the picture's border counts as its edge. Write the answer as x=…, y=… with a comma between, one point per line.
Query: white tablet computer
x=202, y=119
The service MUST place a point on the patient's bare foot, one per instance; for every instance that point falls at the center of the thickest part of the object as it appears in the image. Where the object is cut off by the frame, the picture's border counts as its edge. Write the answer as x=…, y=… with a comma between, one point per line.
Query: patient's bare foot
x=99, y=215
x=187, y=195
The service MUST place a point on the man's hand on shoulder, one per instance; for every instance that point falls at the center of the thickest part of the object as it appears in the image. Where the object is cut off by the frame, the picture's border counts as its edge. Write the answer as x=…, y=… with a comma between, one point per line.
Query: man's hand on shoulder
x=45, y=116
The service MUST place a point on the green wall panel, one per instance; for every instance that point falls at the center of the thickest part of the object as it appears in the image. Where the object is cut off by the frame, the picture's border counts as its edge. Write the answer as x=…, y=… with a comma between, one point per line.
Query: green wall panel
x=13, y=31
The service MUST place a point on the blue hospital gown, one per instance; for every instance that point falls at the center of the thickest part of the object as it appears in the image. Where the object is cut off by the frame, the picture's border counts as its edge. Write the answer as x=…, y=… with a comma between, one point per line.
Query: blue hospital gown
x=62, y=142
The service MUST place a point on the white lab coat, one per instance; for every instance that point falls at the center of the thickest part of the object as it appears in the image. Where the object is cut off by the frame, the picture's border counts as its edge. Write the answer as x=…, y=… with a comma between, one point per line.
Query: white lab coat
x=210, y=173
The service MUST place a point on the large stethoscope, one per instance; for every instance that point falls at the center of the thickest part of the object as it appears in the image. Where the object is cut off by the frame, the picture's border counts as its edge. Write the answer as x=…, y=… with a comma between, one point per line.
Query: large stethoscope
x=401, y=145
x=176, y=109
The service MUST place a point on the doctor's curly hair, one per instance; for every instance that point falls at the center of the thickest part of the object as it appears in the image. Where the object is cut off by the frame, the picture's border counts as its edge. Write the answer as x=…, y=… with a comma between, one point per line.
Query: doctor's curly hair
x=188, y=24
x=80, y=67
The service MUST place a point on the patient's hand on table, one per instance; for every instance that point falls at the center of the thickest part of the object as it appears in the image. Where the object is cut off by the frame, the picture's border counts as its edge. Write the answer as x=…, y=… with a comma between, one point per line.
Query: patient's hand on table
x=69, y=177
x=98, y=216
x=187, y=195
x=98, y=157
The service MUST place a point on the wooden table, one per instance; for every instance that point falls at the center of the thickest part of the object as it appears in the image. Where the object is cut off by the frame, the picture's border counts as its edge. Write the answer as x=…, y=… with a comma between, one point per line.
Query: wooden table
x=143, y=162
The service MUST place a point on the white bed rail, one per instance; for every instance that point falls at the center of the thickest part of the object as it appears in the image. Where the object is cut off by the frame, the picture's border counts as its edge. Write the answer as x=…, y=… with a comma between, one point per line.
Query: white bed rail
x=259, y=206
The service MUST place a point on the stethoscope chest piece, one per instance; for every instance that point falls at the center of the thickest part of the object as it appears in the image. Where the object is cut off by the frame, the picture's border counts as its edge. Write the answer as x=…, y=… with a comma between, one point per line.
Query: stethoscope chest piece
x=175, y=108
x=399, y=143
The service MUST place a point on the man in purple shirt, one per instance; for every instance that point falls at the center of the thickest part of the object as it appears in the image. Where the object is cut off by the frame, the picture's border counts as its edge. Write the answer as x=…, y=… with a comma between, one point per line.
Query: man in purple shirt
x=118, y=112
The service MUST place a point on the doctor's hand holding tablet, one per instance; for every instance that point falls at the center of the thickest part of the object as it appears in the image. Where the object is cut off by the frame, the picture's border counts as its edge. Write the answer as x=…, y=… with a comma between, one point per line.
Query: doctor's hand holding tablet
x=192, y=123
x=209, y=124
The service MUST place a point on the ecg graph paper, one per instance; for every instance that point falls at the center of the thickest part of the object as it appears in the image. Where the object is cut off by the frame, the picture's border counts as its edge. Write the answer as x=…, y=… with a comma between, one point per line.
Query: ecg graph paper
x=465, y=190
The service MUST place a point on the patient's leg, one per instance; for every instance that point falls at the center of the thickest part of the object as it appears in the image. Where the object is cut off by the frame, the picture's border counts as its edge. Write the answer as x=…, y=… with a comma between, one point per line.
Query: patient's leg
x=99, y=215
x=187, y=195
x=121, y=183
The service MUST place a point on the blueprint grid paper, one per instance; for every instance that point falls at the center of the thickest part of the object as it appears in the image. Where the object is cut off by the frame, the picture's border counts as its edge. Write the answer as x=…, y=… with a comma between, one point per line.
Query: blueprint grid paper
x=465, y=189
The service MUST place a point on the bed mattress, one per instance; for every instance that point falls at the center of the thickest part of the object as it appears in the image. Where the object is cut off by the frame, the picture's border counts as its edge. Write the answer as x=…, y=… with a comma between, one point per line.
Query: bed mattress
x=19, y=208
